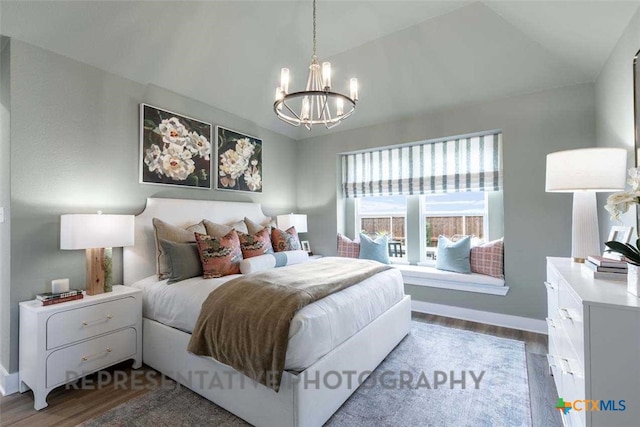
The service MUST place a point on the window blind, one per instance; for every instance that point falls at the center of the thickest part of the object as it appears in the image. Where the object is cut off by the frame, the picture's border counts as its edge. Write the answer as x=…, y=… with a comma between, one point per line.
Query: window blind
x=458, y=164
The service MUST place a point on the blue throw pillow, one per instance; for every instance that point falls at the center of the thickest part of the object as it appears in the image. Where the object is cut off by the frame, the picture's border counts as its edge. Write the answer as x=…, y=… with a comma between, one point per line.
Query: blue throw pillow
x=374, y=249
x=454, y=256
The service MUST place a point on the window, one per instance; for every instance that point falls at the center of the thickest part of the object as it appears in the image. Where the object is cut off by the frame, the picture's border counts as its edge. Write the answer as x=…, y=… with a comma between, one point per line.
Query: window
x=384, y=215
x=449, y=214
x=416, y=192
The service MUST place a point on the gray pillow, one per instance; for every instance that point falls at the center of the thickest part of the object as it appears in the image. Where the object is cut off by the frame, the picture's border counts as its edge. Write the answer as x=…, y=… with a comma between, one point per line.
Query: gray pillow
x=171, y=233
x=184, y=260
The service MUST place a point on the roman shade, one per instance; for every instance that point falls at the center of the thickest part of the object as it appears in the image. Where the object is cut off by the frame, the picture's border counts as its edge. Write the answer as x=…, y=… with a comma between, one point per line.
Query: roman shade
x=467, y=163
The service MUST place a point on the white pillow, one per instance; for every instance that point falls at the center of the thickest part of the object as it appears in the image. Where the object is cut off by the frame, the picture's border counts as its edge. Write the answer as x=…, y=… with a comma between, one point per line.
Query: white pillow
x=268, y=261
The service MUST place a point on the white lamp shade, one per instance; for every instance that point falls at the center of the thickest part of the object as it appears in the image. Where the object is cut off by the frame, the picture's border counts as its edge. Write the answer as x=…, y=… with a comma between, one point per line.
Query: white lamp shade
x=594, y=169
x=81, y=231
x=293, y=220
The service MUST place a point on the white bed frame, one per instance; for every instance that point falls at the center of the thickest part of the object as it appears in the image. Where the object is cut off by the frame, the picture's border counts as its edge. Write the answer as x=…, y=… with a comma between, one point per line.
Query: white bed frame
x=299, y=403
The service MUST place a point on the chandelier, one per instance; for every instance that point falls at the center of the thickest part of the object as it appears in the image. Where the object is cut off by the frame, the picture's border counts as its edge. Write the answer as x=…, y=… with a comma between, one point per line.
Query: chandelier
x=317, y=104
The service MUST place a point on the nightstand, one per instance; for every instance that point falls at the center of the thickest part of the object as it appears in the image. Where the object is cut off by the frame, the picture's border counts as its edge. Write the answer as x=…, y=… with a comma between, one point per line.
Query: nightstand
x=62, y=342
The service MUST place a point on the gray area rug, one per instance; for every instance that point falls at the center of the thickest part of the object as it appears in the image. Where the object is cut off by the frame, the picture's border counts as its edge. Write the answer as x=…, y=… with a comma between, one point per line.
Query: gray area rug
x=502, y=398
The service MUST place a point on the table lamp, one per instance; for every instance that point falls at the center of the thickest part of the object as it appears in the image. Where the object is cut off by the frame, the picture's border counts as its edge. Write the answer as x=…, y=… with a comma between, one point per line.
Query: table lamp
x=584, y=172
x=94, y=233
x=293, y=220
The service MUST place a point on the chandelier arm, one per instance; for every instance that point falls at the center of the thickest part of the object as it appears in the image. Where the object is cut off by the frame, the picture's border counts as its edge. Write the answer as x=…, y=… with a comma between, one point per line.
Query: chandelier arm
x=314, y=29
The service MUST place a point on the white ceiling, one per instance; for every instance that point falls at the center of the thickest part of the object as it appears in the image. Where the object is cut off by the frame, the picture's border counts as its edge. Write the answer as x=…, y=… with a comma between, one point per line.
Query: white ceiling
x=409, y=56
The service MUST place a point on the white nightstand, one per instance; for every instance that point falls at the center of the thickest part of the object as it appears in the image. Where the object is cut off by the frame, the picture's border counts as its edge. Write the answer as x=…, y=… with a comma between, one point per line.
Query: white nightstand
x=62, y=342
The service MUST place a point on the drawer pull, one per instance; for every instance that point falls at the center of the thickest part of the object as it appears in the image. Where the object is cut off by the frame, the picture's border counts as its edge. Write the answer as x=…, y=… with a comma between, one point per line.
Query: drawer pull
x=564, y=314
x=550, y=322
x=567, y=370
x=551, y=361
x=106, y=319
x=93, y=356
x=549, y=286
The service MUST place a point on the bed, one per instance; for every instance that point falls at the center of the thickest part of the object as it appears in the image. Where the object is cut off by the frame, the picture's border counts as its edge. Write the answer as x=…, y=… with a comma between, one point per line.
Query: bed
x=351, y=330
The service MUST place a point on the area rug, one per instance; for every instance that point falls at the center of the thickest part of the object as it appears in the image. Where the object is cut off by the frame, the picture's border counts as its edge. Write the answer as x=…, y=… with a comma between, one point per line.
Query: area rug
x=444, y=365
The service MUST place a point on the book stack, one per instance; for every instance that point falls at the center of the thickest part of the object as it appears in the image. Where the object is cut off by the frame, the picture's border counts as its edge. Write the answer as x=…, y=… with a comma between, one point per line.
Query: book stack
x=49, y=298
x=606, y=268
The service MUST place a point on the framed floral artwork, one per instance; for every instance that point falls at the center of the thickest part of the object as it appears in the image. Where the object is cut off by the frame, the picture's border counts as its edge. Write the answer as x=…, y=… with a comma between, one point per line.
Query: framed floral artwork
x=174, y=149
x=239, y=161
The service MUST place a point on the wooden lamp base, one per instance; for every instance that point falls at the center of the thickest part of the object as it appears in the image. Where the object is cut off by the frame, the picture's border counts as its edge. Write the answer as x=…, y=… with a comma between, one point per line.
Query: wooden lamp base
x=95, y=271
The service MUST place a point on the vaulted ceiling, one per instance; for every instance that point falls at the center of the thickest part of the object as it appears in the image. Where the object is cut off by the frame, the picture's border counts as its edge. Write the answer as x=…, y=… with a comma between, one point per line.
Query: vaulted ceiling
x=410, y=56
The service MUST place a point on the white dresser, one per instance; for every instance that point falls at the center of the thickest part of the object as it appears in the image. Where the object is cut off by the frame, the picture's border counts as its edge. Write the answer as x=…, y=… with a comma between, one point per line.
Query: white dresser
x=594, y=345
x=62, y=342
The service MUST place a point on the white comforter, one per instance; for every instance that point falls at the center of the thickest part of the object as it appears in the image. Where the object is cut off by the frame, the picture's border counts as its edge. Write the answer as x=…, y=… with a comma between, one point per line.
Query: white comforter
x=315, y=330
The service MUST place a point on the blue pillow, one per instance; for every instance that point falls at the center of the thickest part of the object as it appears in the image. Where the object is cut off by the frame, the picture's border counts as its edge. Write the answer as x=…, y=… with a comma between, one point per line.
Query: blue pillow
x=374, y=249
x=454, y=256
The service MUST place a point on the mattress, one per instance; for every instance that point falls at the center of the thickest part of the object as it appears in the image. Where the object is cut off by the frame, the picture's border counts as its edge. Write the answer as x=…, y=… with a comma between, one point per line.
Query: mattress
x=315, y=329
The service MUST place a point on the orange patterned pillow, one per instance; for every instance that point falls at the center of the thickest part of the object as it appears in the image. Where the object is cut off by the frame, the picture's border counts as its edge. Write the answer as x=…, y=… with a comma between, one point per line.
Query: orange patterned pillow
x=285, y=240
x=255, y=244
x=220, y=256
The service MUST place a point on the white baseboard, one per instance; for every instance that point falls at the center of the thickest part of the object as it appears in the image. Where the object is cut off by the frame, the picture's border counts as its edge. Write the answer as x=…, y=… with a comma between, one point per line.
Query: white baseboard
x=9, y=383
x=497, y=319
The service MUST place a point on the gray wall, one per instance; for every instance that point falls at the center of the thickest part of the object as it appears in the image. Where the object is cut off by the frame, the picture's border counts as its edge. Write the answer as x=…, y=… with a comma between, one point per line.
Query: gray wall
x=536, y=224
x=5, y=179
x=614, y=104
x=74, y=149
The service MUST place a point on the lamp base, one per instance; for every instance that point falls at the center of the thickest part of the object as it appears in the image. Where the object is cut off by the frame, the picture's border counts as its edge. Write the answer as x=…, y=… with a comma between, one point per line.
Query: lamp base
x=585, y=239
x=578, y=260
x=95, y=271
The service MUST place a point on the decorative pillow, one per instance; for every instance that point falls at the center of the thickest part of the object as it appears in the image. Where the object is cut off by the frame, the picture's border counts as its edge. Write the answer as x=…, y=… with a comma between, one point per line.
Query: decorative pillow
x=255, y=244
x=215, y=229
x=184, y=260
x=489, y=259
x=220, y=256
x=171, y=233
x=454, y=256
x=254, y=227
x=269, y=261
x=348, y=248
x=285, y=240
x=376, y=250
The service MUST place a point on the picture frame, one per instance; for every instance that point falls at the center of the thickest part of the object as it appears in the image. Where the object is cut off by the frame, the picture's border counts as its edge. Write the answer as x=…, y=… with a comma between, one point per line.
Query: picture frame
x=305, y=246
x=620, y=234
x=174, y=149
x=238, y=161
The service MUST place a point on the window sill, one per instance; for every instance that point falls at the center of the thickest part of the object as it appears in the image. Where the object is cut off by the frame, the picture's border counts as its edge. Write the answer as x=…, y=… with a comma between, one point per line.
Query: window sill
x=419, y=275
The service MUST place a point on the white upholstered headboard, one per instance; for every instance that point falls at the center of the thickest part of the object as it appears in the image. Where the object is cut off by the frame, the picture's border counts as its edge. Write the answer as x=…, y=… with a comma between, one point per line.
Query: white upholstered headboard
x=140, y=259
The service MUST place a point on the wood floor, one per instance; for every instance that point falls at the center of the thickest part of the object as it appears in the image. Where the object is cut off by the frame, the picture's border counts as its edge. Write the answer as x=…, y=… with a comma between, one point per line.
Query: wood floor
x=69, y=406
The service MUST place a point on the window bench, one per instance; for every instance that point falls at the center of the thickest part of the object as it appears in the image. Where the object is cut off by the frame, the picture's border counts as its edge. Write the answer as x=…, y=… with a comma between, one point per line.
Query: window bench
x=432, y=277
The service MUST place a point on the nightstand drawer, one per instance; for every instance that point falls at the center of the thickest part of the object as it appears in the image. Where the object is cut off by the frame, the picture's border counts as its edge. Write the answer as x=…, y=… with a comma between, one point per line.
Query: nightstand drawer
x=75, y=361
x=571, y=320
x=78, y=324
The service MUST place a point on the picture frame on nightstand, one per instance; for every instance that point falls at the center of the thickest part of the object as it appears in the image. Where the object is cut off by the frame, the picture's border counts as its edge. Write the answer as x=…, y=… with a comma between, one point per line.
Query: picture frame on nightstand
x=305, y=246
x=620, y=234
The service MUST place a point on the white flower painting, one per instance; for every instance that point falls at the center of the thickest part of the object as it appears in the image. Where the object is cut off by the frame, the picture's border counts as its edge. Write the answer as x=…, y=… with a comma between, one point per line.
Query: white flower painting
x=175, y=149
x=239, y=161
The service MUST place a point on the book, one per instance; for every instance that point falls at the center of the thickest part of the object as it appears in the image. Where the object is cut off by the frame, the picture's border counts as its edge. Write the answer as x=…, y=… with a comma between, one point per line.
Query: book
x=593, y=267
x=65, y=299
x=609, y=276
x=605, y=262
x=51, y=295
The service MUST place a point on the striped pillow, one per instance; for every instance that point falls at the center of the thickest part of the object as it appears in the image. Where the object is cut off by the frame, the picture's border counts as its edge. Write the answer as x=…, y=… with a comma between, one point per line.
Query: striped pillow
x=488, y=259
x=348, y=248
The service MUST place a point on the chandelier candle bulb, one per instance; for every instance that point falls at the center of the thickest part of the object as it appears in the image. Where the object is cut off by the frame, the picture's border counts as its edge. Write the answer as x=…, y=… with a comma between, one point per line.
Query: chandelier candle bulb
x=339, y=106
x=354, y=89
x=304, y=114
x=284, y=81
x=326, y=75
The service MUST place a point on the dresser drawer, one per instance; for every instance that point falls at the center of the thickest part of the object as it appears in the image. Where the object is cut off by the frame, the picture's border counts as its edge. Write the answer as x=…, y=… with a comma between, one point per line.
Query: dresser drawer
x=75, y=325
x=77, y=360
x=570, y=312
x=573, y=388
